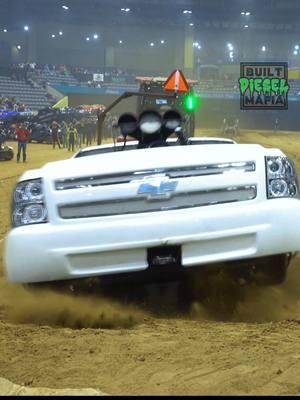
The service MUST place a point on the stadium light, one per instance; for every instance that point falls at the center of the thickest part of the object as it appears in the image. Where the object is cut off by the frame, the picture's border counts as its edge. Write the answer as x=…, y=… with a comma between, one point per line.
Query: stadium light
x=96, y=36
x=5, y=30
x=26, y=28
x=60, y=33
x=162, y=42
x=295, y=52
x=152, y=44
x=53, y=36
x=263, y=48
x=248, y=13
x=125, y=10
x=121, y=41
x=65, y=7
x=246, y=26
x=87, y=39
x=19, y=47
x=191, y=24
x=230, y=47
x=297, y=47
x=187, y=11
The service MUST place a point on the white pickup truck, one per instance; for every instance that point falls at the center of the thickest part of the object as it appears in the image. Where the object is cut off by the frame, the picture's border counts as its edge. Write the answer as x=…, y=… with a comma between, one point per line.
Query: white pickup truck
x=120, y=210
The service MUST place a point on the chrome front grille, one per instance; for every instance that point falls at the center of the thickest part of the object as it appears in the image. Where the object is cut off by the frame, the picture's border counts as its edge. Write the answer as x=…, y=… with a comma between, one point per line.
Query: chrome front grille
x=140, y=204
x=177, y=172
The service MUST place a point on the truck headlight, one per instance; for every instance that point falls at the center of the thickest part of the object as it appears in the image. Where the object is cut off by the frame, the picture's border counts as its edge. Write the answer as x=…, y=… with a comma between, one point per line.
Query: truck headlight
x=282, y=178
x=28, y=204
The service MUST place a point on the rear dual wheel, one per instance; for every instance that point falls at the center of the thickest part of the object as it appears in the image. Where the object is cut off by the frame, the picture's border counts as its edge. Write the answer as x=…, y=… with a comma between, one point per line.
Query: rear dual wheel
x=271, y=270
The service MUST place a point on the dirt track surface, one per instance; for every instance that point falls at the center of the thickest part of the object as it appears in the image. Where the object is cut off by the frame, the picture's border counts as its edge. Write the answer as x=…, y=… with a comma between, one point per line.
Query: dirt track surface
x=54, y=340
x=8, y=388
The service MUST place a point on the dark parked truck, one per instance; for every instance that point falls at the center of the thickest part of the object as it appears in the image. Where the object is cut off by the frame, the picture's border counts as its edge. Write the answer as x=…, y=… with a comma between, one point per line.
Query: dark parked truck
x=6, y=152
x=161, y=105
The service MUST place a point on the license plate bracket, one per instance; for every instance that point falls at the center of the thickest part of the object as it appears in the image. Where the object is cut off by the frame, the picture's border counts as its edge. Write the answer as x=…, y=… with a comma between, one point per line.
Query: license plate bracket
x=164, y=256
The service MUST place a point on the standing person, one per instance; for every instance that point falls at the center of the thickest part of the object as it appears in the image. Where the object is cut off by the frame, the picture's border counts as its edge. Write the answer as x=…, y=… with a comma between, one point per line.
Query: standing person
x=64, y=128
x=79, y=128
x=89, y=136
x=276, y=125
x=84, y=130
x=114, y=128
x=54, y=131
x=22, y=134
x=72, y=135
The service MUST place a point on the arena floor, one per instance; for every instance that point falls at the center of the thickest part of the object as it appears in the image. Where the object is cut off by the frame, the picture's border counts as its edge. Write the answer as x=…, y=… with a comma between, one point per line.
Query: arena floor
x=56, y=341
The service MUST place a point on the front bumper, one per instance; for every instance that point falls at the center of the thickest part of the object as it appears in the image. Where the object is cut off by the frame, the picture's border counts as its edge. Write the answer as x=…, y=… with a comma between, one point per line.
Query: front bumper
x=105, y=246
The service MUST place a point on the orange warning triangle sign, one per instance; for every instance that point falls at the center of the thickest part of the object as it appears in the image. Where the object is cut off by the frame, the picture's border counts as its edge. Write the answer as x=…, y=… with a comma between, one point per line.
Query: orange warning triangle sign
x=177, y=82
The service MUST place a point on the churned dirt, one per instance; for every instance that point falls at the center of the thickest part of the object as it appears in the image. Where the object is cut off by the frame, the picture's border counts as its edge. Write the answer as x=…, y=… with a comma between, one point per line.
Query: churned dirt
x=57, y=340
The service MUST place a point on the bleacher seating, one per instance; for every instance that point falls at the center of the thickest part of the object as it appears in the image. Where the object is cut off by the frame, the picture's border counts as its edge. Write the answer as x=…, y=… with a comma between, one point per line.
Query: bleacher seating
x=294, y=86
x=43, y=76
x=33, y=97
x=30, y=88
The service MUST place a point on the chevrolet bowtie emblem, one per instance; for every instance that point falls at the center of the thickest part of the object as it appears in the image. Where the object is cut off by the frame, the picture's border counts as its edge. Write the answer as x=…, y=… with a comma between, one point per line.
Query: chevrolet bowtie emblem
x=157, y=188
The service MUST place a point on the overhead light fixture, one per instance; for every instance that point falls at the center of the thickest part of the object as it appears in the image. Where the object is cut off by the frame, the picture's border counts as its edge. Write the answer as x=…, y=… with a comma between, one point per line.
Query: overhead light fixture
x=187, y=11
x=246, y=26
x=65, y=7
x=87, y=39
x=230, y=47
x=5, y=30
x=231, y=54
x=125, y=9
x=151, y=44
x=263, y=48
x=121, y=41
x=199, y=47
x=191, y=24
x=60, y=33
x=297, y=47
x=19, y=47
x=196, y=44
x=96, y=36
x=26, y=28
x=248, y=13
x=53, y=36
x=295, y=52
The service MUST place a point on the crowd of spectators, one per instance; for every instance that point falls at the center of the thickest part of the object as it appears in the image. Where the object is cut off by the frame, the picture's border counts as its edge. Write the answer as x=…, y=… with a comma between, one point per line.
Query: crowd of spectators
x=84, y=75
x=20, y=70
x=70, y=134
x=110, y=75
x=10, y=104
x=211, y=79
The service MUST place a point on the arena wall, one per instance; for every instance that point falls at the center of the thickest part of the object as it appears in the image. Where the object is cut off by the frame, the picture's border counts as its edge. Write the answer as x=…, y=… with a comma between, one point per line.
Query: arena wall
x=212, y=112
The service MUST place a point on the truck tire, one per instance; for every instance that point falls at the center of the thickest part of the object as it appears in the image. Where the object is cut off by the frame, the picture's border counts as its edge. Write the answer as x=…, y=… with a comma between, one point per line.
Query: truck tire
x=189, y=125
x=272, y=270
x=10, y=156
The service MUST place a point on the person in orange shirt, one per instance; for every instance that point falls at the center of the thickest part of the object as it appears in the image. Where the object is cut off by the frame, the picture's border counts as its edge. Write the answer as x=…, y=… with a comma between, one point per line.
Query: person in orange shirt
x=22, y=134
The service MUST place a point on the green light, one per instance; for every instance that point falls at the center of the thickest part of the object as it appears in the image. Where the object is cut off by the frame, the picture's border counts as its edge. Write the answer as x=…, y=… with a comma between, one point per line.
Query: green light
x=190, y=102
